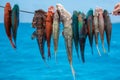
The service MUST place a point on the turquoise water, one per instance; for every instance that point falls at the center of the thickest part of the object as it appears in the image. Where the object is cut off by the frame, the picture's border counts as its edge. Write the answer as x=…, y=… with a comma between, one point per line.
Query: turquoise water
x=25, y=62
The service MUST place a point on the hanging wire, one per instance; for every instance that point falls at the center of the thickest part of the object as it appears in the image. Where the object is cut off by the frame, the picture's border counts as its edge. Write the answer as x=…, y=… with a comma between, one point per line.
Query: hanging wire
x=33, y=12
x=2, y=6
x=26, y=12
x=20, y=10
x=110, y=13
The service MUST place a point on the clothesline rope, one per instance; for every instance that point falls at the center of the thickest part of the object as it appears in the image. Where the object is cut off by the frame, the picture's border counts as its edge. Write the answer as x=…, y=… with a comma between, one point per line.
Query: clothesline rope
x=24, y=11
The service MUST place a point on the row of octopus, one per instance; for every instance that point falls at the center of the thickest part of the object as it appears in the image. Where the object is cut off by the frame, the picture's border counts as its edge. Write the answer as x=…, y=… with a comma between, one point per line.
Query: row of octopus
x=76, y=29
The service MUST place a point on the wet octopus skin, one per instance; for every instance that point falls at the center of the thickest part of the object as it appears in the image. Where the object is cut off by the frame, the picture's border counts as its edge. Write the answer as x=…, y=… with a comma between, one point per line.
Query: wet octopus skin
x=39, y=23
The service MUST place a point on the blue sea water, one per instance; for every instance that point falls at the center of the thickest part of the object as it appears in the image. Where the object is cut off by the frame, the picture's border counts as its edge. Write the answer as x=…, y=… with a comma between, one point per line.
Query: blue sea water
x=25, y=62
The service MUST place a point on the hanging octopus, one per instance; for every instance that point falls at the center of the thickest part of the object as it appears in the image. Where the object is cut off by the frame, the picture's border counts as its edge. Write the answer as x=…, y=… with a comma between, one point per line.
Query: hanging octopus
x=39, y=23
